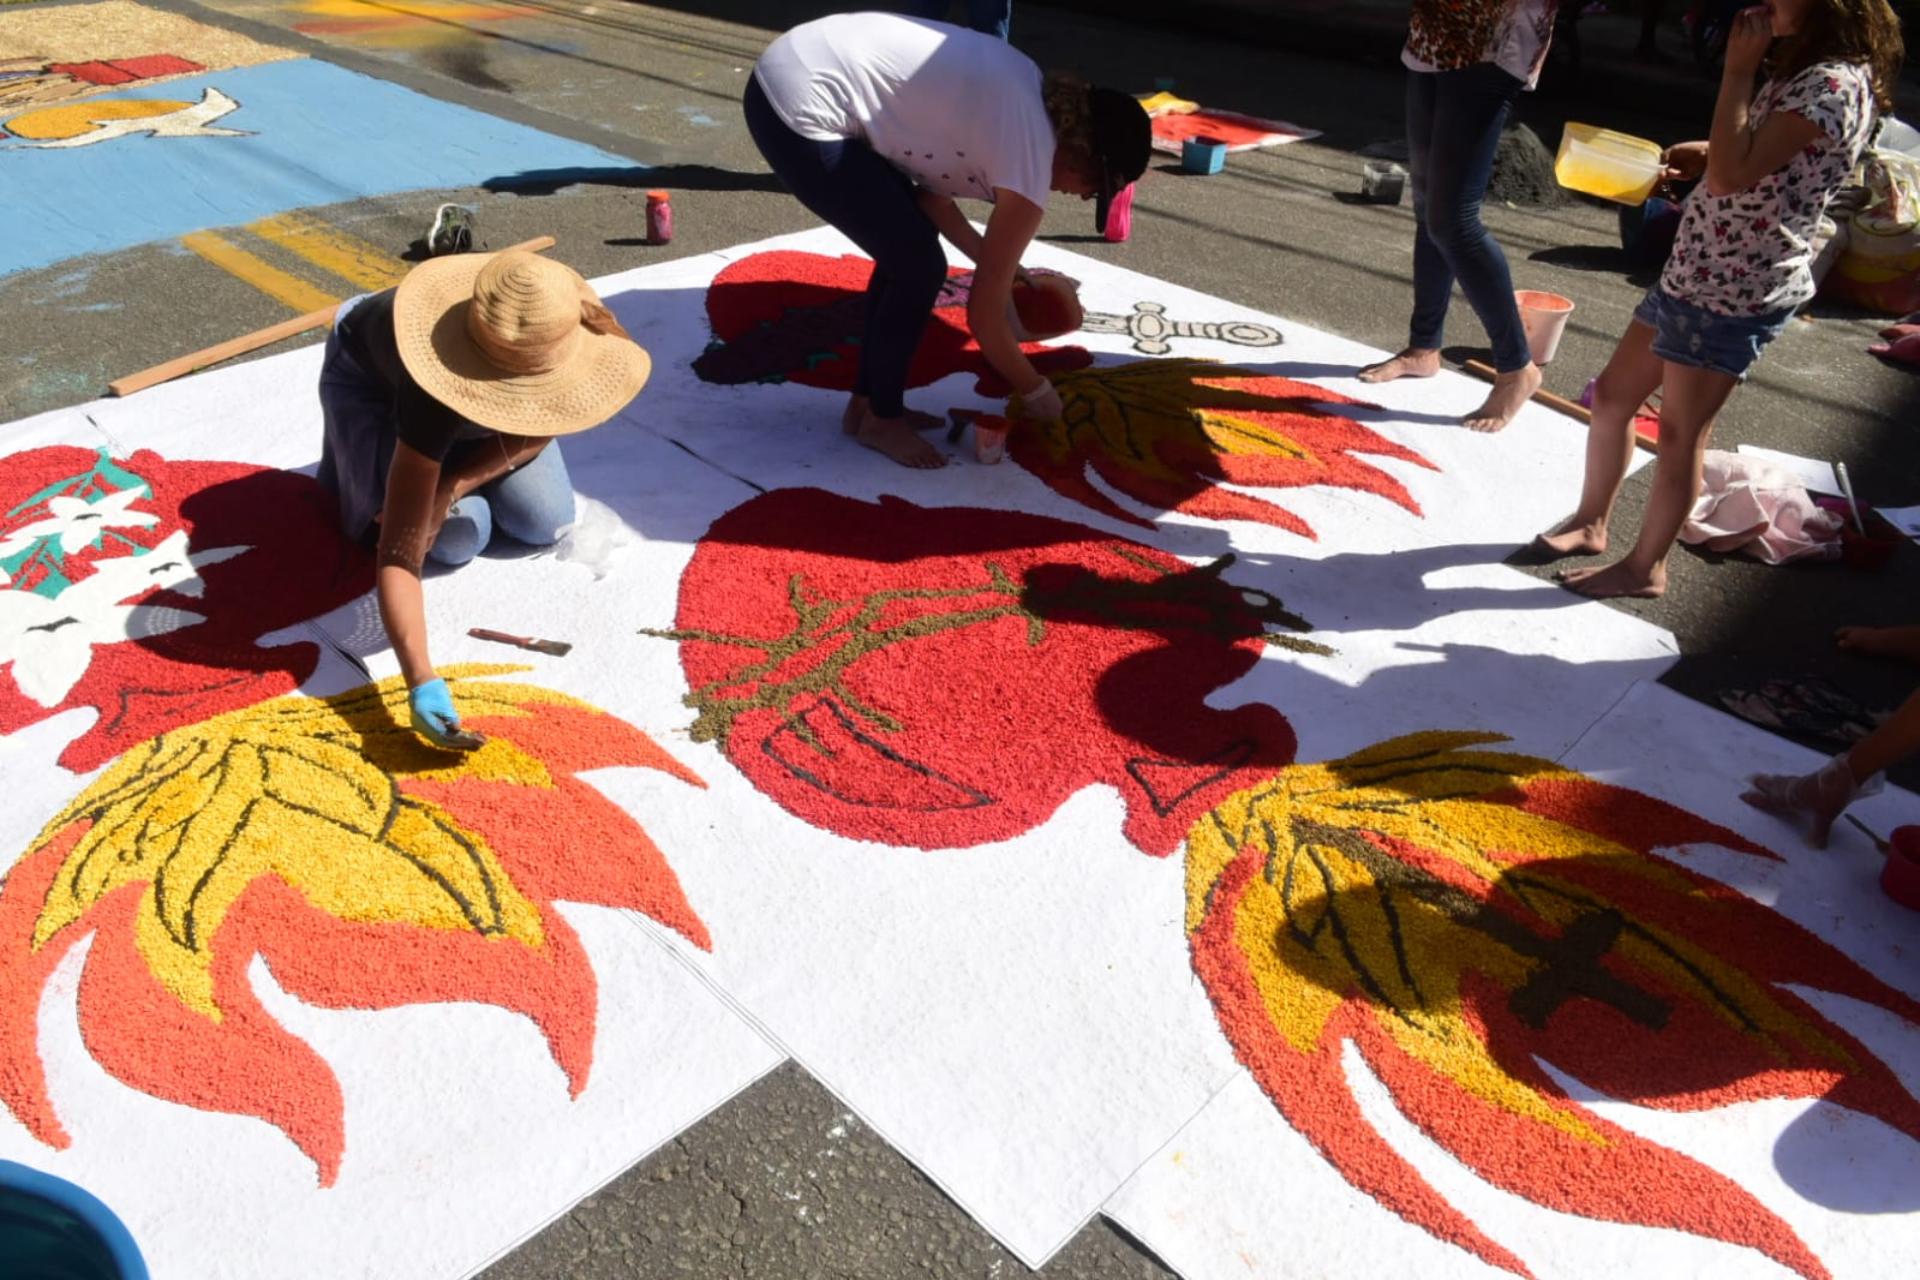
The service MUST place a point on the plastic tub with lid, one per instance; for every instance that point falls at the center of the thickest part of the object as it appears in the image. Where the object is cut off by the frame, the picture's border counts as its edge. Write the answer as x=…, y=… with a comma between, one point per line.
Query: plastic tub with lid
x=1613, y=166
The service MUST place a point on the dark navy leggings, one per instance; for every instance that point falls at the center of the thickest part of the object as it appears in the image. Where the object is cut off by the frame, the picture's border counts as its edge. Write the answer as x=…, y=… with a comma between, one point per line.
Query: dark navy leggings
x=1454, y=120
x=872, y=203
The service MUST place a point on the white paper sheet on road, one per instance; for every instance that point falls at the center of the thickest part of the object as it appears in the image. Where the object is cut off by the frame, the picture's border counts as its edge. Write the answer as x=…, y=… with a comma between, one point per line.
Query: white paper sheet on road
x=904, y=773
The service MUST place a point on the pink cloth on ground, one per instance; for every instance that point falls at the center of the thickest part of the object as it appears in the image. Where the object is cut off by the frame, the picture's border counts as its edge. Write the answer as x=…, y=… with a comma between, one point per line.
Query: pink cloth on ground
x=1758, y=508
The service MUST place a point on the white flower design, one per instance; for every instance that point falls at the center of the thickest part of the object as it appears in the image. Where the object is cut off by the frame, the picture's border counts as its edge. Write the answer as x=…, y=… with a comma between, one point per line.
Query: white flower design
x=50, y=640
x=77, y=522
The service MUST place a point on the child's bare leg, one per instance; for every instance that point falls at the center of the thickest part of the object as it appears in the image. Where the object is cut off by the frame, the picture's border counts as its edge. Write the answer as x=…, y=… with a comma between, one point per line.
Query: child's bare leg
x=1882, y=642
x=1623, y=386
x=1690, y=400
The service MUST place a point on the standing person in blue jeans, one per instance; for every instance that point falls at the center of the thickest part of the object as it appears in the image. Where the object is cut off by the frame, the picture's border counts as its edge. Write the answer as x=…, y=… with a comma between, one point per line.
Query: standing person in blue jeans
x=876, y=122
x=988, y=17
x=440, y=399
x=1467, y=60
x=1741, y=261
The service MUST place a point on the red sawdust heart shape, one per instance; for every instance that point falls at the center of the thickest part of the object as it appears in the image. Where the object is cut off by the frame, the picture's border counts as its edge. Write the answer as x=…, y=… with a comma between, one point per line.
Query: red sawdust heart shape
x=943, y=677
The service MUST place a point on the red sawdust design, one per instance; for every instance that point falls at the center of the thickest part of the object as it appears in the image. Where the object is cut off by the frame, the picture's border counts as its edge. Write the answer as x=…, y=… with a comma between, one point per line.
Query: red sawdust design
x=552, y=836
x=296, y=566
x=944, y=677
x=788, y=316
x=126, y=70
x=1236, y=132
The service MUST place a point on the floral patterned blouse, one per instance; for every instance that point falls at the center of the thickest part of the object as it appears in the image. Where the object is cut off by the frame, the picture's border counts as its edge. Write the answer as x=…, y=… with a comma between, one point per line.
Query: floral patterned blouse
x=1749, y=253
x=1446, y=35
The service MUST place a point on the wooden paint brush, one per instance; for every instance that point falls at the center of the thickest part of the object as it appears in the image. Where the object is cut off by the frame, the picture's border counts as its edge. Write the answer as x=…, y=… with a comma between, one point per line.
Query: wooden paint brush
x=1867, y=831
x=558, y=648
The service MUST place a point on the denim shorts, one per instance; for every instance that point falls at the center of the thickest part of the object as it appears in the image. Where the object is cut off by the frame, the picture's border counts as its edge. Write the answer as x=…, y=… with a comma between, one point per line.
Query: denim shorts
x=1690, y=335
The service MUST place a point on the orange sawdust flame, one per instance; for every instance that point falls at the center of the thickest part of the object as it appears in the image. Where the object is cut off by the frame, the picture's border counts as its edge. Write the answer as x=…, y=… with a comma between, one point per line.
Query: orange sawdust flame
x=1192, y=436
x=367, y=868
x=1465, y=915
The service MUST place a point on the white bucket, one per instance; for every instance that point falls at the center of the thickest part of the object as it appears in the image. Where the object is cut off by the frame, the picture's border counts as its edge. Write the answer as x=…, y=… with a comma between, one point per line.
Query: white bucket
x=1544, y=318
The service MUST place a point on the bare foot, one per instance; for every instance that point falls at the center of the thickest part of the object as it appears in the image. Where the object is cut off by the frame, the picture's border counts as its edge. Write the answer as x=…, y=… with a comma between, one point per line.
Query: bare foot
x=1510, y=391
x=1606, y=582
x=858, y=409
x=1572, y=539
x=895, y=437
x=1881, y=642
x=1414, y=362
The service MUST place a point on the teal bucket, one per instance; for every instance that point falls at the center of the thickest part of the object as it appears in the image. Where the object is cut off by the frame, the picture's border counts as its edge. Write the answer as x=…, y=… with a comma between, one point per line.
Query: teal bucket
x=52, y=1230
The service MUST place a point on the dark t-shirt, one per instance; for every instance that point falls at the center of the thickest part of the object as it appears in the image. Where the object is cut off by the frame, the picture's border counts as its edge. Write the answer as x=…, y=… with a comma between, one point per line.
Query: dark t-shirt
x=423, y=422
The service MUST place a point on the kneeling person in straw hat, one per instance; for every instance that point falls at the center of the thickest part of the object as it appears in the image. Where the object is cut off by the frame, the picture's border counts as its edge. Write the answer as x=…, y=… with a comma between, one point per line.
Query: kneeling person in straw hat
x=441, y=399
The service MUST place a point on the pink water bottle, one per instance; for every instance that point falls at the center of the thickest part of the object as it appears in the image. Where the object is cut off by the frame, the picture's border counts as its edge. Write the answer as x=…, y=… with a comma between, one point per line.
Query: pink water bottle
x=659, y=217
x=1120, y=214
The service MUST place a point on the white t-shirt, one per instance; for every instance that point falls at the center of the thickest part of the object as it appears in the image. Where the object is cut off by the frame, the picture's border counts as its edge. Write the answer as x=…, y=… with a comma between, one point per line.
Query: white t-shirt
x=958, y=112
x=1749, y=252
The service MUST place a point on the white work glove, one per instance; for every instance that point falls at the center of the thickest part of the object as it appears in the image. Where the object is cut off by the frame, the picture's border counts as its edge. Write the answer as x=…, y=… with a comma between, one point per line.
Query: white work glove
x=1822, y=795
x=1040, y=402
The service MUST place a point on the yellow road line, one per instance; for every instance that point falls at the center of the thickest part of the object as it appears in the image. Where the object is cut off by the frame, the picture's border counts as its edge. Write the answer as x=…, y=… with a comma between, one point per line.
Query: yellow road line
x=331, y=249
x=258, y=272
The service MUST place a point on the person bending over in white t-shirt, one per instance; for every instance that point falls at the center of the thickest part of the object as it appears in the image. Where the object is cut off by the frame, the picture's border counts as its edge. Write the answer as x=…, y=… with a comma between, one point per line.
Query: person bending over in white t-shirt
x=878, y=122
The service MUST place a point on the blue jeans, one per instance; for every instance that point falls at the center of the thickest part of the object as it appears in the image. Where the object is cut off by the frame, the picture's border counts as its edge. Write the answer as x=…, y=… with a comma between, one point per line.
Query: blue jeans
x=1453, y=127
x=990, y=17
x=872, y=203
x=1691, y=335
x=531, y=505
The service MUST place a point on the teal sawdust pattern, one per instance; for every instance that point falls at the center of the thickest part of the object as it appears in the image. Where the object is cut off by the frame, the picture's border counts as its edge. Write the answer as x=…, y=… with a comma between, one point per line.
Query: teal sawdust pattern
x=41, y=566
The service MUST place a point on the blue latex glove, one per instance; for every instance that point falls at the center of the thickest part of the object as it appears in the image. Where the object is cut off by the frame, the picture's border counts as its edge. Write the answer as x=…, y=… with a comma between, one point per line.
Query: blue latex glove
x=435, y=719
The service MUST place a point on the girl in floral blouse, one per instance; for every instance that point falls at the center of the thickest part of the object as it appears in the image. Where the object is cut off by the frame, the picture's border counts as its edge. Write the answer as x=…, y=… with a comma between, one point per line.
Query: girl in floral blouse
x=1467, y=60
x=1740, y=264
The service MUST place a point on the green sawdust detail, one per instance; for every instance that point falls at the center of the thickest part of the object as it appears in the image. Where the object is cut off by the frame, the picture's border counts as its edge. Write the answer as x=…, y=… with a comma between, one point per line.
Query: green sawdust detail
x=857, y=634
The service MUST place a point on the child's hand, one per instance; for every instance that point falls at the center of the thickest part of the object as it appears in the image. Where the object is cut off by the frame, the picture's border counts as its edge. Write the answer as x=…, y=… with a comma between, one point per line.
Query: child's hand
x=1683, y=162
x=1818, y=798
x=1749, y=40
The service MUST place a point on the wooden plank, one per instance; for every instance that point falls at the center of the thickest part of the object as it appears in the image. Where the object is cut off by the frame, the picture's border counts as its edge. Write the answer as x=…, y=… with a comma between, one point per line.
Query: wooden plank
x=183, y=365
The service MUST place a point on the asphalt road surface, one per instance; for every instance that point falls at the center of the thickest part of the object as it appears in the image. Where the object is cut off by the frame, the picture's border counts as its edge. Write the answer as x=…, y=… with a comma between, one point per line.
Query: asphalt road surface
x=782, y=1181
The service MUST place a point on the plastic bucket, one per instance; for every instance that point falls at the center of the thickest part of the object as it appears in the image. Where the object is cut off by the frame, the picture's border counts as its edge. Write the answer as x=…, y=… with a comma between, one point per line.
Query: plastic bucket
x=51, y=1228
x=1203, y=155
x=990, y=442
x=1900, y=878
x=1544, y=317
x=1382, y=182
x=1612, y=166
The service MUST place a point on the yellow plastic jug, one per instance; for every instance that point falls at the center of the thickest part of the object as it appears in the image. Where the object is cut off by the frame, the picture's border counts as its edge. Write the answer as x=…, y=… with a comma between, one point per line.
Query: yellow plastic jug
x=1613, y=166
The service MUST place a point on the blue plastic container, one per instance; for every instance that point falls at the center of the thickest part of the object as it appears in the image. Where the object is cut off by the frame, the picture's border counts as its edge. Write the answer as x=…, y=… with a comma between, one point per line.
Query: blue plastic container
x=52, y=1230
x=1203, y=155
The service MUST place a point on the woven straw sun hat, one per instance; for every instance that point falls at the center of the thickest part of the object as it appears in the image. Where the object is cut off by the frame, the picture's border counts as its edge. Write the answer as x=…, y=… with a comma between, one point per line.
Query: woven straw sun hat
x=515, y=342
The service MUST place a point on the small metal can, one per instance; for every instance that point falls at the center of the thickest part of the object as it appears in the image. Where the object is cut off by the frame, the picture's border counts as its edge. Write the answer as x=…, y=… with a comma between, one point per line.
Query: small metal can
x=1382, y=182
x=659, y=217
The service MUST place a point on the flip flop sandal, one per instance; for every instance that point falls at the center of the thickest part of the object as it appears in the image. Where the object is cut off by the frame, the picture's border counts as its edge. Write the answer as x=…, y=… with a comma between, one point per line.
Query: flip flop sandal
x=1811, y=707
x=1804, y=709
x=1751, y=707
